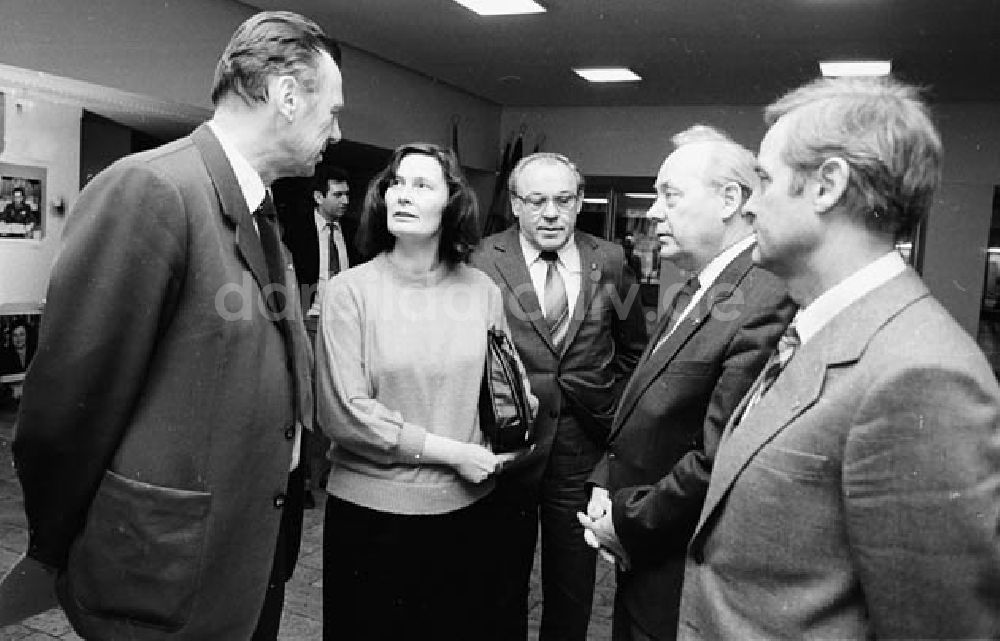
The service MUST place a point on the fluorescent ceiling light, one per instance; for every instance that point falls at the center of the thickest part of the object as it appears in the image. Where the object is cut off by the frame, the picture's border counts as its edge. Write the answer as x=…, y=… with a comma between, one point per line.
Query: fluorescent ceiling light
x=502, y=7
x=596, y=201
x=643, y=195
x=831, y=68
x=607, y=74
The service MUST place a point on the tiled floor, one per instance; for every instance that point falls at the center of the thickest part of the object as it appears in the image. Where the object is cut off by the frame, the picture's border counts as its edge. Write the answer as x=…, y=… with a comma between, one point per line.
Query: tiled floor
x=302, y=620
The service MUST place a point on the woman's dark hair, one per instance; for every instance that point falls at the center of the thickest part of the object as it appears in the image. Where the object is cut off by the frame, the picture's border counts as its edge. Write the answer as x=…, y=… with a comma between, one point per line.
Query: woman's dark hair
x=459, y=220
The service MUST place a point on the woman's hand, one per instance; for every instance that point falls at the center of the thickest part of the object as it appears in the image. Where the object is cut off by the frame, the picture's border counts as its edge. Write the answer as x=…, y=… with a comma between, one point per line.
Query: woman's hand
x=474, y=463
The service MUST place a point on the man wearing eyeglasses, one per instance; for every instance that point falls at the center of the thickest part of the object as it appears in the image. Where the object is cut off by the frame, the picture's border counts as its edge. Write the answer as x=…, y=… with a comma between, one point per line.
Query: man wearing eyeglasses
x=575, y=317
x=709, y=346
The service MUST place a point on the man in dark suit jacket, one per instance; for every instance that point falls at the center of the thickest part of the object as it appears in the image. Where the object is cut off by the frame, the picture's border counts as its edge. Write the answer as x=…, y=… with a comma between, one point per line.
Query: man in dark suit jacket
x=162, y=414
x=577, y=359
x=856, y=490
x=322, y=245
x=300, y=204
x=705, y=354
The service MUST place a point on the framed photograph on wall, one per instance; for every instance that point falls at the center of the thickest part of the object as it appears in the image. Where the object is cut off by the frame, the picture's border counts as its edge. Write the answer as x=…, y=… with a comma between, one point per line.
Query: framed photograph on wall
x=22, y=202
x=18, y=341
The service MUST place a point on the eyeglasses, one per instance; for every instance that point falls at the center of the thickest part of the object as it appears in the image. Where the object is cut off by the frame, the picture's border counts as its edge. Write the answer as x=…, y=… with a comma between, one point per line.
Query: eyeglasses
x=536, y=203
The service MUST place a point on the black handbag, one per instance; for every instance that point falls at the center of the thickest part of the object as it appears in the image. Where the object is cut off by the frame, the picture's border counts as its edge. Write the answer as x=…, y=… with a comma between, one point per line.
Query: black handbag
x=505, y=415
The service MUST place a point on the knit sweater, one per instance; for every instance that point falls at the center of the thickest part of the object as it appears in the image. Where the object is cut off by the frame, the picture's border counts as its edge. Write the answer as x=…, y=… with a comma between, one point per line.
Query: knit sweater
x=399, y=357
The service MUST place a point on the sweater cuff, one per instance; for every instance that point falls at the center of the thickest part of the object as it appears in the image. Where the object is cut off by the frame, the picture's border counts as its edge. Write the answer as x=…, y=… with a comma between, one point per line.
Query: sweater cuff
x=411, y=443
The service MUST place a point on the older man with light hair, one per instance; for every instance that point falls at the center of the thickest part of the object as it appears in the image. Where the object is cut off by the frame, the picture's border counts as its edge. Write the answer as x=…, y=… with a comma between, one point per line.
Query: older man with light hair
x=711, y=342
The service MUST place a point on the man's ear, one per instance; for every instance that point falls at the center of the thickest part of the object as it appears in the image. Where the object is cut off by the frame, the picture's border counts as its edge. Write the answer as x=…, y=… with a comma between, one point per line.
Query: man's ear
x=732, y=198
x=318, y=196
x=285, y=94
x=832, y=179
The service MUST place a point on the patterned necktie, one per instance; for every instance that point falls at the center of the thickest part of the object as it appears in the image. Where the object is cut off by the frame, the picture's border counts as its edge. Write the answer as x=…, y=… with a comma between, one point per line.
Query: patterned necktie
x=334, y=261
x=789, y=342
x=677, y=308
x=556, y=304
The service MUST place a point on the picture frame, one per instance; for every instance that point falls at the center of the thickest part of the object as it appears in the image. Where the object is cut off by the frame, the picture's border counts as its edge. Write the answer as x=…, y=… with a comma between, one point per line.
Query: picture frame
x=23, y=214
x=18, y=343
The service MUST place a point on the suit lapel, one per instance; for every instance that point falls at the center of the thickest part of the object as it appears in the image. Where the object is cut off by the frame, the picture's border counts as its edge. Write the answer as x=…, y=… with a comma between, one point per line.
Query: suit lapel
x=514, y=271
x=591, y=261
x=234, y=205
x=649, y=370
x=842, y=340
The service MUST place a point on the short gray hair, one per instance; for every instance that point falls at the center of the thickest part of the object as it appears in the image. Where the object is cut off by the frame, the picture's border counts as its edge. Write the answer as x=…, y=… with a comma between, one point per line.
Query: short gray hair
x=543, y=156
x=729, y=160
x=883, y=131
x=267, y=44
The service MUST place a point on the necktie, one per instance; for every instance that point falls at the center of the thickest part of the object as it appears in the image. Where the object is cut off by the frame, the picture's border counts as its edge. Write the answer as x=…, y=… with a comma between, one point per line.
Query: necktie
x=556, y=304
x=277, y=300
x=266, y=219
x=789, y=342
x=334, y=261
x=677, y=308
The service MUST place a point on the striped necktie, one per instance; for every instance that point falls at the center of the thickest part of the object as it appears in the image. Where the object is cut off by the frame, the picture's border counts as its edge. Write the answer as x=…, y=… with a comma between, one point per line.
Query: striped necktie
x=787, y=346
x=556, y=303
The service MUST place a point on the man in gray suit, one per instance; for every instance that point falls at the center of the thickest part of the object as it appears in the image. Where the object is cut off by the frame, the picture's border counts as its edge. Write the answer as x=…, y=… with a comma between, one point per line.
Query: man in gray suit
x=574, y=315
x=856, y=491
x=708, y=349
x=157, y=441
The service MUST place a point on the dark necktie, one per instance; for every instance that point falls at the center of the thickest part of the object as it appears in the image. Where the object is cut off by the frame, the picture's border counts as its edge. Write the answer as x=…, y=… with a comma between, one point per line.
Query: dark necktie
x=775, y=364
x=556, y=304
x=266, y=219
x=677, y=308
x=334, y=261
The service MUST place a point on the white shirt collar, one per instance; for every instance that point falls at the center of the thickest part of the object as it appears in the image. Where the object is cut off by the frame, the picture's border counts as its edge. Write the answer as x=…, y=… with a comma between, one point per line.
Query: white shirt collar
x=821, y=311
x=322, y=222
x=569, y=254
x=711, y=271
x=250, y=181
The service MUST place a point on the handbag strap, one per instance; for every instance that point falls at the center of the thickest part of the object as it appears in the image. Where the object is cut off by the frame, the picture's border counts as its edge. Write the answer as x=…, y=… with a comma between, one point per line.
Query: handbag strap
x=507, y=356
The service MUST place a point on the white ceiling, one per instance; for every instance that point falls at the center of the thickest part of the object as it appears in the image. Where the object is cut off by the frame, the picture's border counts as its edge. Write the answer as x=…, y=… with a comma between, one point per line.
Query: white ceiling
x=688, y=51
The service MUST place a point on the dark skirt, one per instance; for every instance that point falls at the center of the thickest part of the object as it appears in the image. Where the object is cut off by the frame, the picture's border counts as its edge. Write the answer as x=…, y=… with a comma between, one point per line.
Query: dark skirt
x=394, y=576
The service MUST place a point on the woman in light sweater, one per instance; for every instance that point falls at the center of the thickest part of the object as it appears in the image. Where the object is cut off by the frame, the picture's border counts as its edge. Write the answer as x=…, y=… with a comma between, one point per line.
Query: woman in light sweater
x=399, y=367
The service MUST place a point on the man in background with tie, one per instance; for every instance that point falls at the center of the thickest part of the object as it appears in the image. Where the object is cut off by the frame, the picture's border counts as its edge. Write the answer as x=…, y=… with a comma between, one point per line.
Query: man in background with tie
x=158, y=438
x=709, y=346
x=857, y=493
x=574, y=315
x=332, y=196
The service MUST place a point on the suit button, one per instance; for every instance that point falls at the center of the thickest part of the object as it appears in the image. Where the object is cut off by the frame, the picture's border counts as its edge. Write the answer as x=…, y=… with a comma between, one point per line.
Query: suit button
x=290, y=432
x=279, y=501
x=553, y=414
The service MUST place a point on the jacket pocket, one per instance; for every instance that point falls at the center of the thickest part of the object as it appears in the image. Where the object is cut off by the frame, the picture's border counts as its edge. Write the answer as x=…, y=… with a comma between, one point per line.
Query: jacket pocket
x=139, y=556
x=802, y=466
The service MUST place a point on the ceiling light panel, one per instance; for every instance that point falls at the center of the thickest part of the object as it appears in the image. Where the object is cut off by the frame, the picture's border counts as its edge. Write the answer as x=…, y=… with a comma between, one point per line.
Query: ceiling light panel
x=502, y=7
x=839, y=68
x=607, y=74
